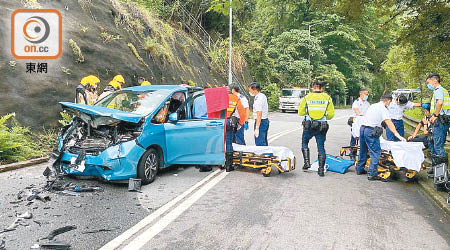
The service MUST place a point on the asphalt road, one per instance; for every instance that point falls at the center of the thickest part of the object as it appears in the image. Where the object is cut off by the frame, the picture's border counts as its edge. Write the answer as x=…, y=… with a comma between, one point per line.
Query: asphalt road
x=186, y=209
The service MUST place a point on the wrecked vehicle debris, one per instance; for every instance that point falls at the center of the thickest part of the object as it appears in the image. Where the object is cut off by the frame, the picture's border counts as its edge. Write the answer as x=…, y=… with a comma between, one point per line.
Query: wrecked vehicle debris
x=27, y=215
x=19, y=221
x=2, y=245
x=134, y=185
x=134, y=132
x=60, y=245
x=100, y=230
x=59, y=231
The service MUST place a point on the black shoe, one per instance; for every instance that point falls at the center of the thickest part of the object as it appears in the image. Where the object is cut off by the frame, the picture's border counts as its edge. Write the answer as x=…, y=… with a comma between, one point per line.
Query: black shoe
x=321, y=170
x=361, y=172
x=306, y=159
x=376, y=178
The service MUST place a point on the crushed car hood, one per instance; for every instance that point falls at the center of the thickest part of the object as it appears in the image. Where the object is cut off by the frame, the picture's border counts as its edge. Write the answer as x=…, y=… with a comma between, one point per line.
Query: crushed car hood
x=96, y=112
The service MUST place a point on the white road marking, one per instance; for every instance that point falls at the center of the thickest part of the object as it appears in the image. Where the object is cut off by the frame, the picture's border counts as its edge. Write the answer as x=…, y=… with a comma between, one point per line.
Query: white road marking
x=151, y=232
x=148, y=234
x=115, y=243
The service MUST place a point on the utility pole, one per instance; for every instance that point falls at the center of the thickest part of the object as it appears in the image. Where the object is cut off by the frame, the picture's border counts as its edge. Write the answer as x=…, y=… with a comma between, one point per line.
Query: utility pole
x=309, y=52
x=230, y=52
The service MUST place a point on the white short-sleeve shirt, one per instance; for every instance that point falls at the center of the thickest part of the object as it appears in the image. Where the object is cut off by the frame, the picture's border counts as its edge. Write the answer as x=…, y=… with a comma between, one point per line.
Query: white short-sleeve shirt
x=375, y=115
x=396, y=110
x=244, y=103
x=361, y=105
x=260, y=104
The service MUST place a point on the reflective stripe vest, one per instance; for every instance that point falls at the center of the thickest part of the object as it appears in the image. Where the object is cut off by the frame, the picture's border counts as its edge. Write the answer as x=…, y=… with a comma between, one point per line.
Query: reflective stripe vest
x=235, y=103
x=445, y=105
x=316, y=106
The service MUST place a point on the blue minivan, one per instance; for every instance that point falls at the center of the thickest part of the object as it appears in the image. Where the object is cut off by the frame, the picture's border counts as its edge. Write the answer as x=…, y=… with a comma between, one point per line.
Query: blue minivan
x=134, y=132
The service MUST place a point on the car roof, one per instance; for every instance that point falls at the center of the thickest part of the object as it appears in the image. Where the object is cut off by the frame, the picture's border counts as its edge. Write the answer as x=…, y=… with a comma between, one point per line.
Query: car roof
x=157, y=87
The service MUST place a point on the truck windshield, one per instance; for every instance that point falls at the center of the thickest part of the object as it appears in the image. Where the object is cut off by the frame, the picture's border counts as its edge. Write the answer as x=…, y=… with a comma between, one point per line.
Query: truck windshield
x=143, y=102
x=291, y=92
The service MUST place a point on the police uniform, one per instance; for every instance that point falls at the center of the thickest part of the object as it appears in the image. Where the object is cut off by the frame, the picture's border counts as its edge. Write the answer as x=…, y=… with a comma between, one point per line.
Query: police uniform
x=362, y=106
x=396, y=114
x=369, y=138
x=442, y=124
x=317, y=107
x=240, y=132
x=260, y=104
x=233, y=123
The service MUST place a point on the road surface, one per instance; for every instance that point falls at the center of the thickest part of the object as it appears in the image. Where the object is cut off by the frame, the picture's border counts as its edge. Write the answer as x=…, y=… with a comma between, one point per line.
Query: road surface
x=186, y=209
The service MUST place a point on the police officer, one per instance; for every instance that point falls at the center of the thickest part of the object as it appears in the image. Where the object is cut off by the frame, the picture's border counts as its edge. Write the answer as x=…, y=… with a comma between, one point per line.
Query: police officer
x=317, y=107
x=261, y=114
x=359, y=108
x=369, y=138
x=396, y=109
x=440, y=120
x=233, y=124
x=240, y=133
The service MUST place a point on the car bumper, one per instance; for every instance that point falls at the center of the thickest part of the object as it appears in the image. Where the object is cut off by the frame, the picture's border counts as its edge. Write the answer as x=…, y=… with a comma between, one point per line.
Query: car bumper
x=288, y=106
x=115, y=163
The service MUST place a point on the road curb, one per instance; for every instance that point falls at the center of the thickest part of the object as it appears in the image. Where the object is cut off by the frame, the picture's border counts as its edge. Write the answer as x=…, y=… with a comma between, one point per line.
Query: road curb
x=436, y=197
x=22, y=164
x=432, y=192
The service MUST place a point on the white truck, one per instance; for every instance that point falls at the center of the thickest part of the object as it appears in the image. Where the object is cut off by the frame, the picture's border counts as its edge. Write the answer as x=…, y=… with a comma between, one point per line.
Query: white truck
x=290, y=98
x=411, y=94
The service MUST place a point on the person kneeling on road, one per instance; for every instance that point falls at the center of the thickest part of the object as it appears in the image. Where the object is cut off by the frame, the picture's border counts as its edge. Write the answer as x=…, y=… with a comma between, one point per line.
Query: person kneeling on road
x=317, y=107
x=370, y=133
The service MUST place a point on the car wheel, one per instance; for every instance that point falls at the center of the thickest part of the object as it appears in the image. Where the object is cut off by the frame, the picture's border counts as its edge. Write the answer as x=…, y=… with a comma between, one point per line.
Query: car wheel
x=283, y=110
x=148, y=166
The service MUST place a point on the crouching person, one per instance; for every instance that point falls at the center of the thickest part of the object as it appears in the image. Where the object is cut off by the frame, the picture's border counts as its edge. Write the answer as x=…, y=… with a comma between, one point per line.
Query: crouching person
x=317, y=107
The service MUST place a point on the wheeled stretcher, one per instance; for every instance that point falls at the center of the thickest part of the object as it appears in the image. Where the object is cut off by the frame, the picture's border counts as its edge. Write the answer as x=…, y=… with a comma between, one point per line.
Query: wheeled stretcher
x=387, y=169
x=264, y=158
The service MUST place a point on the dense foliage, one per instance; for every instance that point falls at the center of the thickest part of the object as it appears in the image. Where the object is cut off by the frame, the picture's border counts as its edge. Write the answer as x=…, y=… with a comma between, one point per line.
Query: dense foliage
x=378, y=44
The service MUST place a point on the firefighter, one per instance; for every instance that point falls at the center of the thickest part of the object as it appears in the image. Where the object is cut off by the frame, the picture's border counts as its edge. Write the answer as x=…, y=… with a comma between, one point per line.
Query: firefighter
x=440, y=119
x=86, y=92
x=233, y=124
x=146, y=83
x=369, y=138
x=317, y=107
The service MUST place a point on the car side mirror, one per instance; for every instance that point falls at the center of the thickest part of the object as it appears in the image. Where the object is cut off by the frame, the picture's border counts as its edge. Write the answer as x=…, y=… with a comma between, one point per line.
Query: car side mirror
x=173, y=117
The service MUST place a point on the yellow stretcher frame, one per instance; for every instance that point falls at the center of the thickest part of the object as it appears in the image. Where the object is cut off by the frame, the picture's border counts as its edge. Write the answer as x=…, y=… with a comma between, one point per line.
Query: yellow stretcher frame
x=260, y=161
x=386, y=165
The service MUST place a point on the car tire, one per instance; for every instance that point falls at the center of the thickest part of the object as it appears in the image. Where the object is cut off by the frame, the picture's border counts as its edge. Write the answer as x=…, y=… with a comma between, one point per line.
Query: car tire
x=283, y=110
x=148, y=166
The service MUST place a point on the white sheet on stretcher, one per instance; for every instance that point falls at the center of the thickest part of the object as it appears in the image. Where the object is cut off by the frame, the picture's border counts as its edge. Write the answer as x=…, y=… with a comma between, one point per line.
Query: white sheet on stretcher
x=406, y=154
x=281, y=153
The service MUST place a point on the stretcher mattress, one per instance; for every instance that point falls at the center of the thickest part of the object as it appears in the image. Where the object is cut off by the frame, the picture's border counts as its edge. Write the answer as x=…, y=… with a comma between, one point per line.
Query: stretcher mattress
x=281, y=153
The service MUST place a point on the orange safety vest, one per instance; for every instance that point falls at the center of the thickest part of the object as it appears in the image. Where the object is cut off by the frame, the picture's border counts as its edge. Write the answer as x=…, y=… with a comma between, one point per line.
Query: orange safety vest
x=235, y=103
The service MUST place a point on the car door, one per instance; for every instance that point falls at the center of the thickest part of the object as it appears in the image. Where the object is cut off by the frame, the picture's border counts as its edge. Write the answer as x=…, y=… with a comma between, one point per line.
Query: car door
x=195, y=141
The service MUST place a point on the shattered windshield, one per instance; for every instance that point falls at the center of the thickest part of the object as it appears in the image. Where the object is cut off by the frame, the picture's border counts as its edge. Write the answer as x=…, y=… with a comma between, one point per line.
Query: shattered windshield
x=143, y=102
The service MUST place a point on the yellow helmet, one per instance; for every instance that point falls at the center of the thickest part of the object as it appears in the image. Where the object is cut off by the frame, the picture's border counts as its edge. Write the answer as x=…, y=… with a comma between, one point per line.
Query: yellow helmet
x=91, y=80
x=115, y=84
x=119, y=78
x=146, y=83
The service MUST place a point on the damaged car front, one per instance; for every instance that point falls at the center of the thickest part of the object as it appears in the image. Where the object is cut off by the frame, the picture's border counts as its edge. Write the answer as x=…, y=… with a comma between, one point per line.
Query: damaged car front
x=101, y=139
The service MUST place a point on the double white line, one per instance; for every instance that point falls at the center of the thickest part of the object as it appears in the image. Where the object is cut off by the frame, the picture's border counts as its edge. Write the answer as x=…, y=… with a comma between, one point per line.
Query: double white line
x=126, y=241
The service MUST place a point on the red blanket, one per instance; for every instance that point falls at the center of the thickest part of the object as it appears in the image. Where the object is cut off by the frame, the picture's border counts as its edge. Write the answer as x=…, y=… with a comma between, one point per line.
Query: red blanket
x=216, y=101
